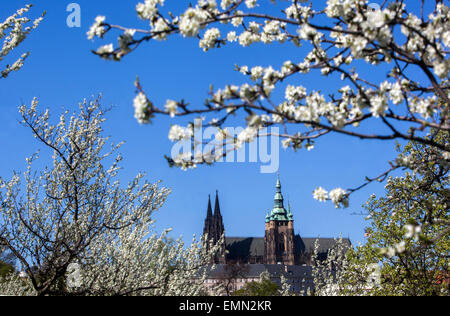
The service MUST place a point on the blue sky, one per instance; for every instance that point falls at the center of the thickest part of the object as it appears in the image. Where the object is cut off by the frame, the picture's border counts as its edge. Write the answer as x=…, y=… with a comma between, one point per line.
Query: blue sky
x=61, y=71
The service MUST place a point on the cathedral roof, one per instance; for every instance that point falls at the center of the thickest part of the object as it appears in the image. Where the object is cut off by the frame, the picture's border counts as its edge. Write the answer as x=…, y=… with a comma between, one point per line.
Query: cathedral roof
x=245, y=247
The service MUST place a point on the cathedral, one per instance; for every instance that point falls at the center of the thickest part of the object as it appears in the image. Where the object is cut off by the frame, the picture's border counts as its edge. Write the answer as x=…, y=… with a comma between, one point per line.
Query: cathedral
x=280, y=244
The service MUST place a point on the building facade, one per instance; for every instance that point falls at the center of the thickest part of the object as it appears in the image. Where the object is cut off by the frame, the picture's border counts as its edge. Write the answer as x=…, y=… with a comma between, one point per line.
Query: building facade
x=280, y=252
x=280, y=244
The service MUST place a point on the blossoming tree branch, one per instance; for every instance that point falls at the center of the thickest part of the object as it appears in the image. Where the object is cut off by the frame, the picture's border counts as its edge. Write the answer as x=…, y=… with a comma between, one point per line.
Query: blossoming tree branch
x=14, y=30
x=410, y=46
x=76, y=230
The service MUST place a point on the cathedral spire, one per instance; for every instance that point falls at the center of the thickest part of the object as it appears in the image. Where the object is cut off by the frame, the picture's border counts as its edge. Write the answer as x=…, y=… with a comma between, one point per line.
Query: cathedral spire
x=279, y=213
x=214, y=229
x=209, y=211
x=278, y=195
x=289, y=213
x=217, y=206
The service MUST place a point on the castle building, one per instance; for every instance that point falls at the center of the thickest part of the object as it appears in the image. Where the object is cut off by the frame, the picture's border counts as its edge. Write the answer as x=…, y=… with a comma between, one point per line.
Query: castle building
x=280, y=244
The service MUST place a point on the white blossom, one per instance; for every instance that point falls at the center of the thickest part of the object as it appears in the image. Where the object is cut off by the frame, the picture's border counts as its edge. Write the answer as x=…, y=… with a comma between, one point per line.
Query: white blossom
x=171, y=107
x=191, y=22
x=97, y=29
x=106, y=49
x=256, y=73
x=339, y=196
x=294, y=94
x=378, y=105
x=413, y=231
x=396, y=93
x=442, y=68
x=140, y=108
x=320, y=194
x=209, y=39
x=226, y=3
x=177, y=133
x=148, y=9
x=231, y=36
x=247, y=135
x=237, y=21
x=251, y=3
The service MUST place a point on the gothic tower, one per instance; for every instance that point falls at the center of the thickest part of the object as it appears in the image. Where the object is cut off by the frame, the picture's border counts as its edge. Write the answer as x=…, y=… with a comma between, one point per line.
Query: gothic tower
x=209, y=227
x=214, y=228
x=279, y=236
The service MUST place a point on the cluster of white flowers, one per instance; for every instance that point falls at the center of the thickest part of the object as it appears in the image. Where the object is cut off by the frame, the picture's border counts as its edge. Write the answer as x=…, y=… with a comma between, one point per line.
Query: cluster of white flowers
x=329, y=274
x=296, y=11
x=192, y=21
x=378, y=105
x=237, y=20
x=248, y=93
x=339, y=197
x=307, y=32
x=247, y=135
x=105, y=49
x=159, y=28
x=413, y=231
x=404, y=160
x=18, y=64
x=422, y=106
x=272, y=31
x=148, y=10
x=441, y=68
x=339, y=8
x=293, y=94
x=232, y=37
x=397, y=249
x=247, y=38
x=374, y=275
x=140, y=108
x=251, y=3
x=226, y=3
x=209, y=39
x=178, y=133
x=97, y=29
x=320, y=194
x=256, y=72
x=269, y=79
x=396, y=93
x=18, y=32
x=171, y=107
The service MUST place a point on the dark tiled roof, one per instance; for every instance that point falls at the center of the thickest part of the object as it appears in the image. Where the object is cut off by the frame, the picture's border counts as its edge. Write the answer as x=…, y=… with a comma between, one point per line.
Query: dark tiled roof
x=307, y=244
x=244, y=247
